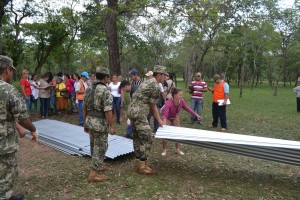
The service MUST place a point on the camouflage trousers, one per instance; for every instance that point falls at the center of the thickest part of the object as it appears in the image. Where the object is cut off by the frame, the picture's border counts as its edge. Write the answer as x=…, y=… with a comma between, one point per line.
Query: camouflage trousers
x=8, y=175
x=99, y=145
x=142, y=137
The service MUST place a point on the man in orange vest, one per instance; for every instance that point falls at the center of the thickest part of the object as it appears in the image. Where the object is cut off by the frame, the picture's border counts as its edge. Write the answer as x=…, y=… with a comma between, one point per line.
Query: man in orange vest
x=220, y=92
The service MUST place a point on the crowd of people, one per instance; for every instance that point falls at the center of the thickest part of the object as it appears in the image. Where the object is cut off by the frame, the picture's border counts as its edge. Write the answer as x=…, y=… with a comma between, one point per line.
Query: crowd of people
x=96, y=97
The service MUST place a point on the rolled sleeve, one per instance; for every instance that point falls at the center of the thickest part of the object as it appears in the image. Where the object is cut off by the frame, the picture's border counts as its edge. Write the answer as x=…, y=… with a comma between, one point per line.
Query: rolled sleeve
x=18, y=106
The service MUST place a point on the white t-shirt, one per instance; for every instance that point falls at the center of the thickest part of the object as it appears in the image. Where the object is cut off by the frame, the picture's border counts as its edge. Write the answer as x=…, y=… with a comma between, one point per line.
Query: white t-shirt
x=34, y=91
x=78, y=85
x=114, y=89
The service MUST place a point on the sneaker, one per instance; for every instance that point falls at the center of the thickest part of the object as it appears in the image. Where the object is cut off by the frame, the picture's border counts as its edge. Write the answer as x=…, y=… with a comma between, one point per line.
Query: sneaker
x=164, y=153
x=223, y=129
x=179, y=152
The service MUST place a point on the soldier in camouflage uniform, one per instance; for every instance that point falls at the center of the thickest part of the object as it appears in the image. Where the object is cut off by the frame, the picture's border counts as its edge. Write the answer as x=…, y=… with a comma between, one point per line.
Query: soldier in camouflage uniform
x=144, y=99
x=97, y=111
x=12, y=109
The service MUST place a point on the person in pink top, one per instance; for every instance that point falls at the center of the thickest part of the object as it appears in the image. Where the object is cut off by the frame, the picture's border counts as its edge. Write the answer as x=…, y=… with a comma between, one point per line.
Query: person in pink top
x=170, y=115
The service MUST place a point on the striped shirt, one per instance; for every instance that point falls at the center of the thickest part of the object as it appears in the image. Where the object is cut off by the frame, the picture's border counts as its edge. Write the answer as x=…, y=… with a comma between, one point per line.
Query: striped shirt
x=135, y=85
x=198, y=85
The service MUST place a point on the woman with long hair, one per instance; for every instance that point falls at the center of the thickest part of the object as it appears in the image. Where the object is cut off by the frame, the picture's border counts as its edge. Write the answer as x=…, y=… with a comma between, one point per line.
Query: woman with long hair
x=44, y=95
x=114, y=90
x=170, y=115
x=25, y=88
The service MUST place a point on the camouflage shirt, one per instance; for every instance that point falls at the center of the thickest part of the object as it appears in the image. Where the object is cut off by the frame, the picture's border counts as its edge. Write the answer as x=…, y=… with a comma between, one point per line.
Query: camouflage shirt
x=147, y=93
x=100, y=102
x=12, y=107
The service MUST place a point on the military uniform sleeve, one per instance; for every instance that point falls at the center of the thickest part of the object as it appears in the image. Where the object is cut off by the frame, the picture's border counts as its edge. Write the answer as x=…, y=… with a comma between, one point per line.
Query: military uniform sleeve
x=17, y=105
x=154, y=95
x=107, y=100
x=87, y=96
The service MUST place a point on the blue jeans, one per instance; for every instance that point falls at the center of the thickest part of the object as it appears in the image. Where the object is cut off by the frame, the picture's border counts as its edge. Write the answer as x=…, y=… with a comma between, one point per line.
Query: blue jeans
x=45, y=102
x=196, y=106
x=117, y=104
x=27, y=102
x=80, y=112
x=53, y=101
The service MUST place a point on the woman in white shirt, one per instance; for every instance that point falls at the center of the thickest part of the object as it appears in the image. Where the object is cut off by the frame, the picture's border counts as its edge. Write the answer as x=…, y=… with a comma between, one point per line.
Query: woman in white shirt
x=114, y=89
x=34, y=92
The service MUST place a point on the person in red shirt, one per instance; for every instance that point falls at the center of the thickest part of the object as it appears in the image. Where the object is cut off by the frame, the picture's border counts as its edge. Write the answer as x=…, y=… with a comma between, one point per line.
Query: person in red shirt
x=25, y=88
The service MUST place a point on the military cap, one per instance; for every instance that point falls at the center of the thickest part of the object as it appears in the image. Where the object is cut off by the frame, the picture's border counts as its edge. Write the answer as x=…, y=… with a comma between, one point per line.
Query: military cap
x=160, y=69
x=6, y=62
x=102, y=70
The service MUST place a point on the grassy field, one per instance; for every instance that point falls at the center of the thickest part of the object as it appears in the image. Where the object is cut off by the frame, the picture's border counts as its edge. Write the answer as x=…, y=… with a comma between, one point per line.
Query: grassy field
x=200, y=174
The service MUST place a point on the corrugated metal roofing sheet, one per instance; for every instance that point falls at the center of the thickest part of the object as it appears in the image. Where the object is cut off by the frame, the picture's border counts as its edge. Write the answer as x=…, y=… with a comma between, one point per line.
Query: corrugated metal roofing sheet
x=72, y=140
x=284, y=151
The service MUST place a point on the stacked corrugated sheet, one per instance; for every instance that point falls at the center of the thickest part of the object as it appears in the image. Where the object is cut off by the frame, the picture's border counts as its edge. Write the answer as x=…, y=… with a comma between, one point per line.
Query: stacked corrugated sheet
x=278, y=150
x=72, y=140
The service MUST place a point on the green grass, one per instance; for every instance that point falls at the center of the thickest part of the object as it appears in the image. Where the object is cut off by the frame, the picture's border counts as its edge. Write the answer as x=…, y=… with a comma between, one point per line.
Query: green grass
x=200, y=174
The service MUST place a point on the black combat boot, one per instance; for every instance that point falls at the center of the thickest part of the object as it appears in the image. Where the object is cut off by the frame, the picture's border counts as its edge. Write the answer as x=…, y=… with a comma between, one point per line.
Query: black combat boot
x=17, y=197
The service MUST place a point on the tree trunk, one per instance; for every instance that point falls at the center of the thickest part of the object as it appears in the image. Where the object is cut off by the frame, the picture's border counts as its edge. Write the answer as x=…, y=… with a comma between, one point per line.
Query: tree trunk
x=243, y=70
x=112, y=37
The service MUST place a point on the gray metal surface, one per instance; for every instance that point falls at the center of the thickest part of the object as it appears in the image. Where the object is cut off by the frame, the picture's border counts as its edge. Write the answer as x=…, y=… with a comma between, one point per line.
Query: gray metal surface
x=284, y=151
x=72, y=140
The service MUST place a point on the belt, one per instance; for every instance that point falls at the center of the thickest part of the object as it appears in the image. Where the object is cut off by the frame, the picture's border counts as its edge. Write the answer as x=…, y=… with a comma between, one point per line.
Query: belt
x=96, y=114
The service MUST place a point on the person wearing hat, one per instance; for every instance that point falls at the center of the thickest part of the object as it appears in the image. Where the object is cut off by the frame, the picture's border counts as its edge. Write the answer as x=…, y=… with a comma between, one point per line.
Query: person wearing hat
x=297, y=90
x=136, y=81
x=145, y=98
x=196, y=89
x=220, y=92
x=12, y=109
x=80, y=87
x=97, y=112
x=149, y=74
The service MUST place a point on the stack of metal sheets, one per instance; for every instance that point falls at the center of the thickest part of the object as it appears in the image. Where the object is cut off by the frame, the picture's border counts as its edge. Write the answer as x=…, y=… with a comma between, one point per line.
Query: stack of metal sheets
x=72, y=140
x=284, y=151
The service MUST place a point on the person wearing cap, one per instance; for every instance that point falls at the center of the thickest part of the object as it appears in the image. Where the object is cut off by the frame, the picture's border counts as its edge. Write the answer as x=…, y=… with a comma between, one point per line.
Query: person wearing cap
x=145, y=99
x=149, y=74
x=80, y=87
x=13, y=110
x=196, y=89
x=297, y=90
x=220, y=92
x=136, y=81
x=97, y=112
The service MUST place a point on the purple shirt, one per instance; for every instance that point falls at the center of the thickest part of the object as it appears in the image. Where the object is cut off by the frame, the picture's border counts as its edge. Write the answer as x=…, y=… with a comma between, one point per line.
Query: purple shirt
x=171, y=111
